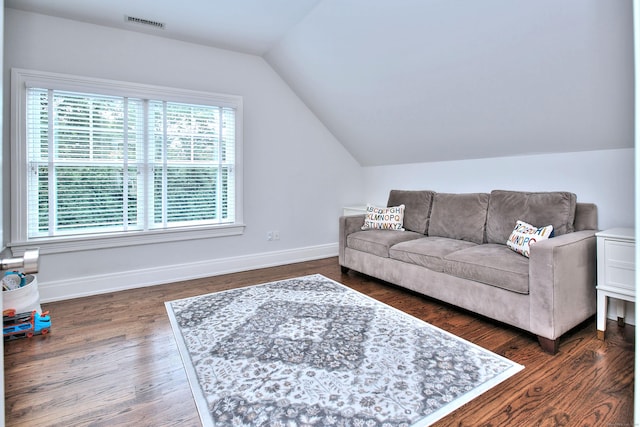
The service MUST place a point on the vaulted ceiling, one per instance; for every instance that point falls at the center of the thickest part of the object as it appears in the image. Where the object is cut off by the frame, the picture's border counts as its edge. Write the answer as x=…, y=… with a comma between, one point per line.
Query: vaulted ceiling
x=422, y=80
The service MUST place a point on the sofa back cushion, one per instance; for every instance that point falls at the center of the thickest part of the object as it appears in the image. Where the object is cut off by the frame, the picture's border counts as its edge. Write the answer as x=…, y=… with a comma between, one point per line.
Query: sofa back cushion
x=417, y=206
x=586, y=217
x=459, y=216
x=540, y=209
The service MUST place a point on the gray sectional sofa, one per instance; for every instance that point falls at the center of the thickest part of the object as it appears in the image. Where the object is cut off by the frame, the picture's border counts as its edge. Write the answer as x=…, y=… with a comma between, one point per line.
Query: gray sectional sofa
x=453, y=248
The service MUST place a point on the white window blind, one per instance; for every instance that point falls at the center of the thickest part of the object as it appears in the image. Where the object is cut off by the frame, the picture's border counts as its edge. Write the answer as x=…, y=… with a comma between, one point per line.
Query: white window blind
x=102, y=163
x=82, y=152
x=193, y=163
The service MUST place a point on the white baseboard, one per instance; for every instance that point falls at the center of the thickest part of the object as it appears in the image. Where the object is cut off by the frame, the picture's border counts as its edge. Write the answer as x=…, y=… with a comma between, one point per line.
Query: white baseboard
x=122, y=280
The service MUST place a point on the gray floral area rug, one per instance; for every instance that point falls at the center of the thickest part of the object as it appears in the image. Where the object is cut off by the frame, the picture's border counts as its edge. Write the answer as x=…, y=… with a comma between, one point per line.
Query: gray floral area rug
x=310, y=351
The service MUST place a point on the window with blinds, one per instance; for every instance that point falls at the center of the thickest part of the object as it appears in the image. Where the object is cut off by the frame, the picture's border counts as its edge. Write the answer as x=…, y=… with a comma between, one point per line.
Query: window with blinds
x=103, y=163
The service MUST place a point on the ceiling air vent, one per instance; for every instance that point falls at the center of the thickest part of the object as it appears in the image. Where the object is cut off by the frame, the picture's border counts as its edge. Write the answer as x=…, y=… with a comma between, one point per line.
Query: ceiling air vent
x=142, y=21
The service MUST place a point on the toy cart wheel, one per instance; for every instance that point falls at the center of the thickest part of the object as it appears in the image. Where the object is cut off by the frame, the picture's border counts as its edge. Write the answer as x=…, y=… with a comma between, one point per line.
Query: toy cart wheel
x=29, y=334
x=44, y=331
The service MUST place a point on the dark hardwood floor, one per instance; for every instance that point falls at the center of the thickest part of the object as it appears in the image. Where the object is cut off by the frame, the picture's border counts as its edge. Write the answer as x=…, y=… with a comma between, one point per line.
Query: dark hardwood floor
x=111, y=360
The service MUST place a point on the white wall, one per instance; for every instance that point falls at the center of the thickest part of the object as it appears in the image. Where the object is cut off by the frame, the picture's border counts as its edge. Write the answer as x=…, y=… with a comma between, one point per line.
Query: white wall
x=605, y=178
x=2, y=243
x=636, y=58
x=297, y=176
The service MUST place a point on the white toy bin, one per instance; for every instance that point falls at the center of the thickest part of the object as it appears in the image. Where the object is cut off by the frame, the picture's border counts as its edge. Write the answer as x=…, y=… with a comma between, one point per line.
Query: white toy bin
x=24, y=299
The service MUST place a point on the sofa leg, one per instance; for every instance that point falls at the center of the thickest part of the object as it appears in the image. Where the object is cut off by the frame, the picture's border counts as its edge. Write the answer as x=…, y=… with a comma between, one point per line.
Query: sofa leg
x=549, y=346
x=343, y=269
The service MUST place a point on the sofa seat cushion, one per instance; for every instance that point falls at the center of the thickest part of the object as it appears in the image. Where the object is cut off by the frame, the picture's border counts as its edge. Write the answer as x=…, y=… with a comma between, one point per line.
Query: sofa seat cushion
x=378, y=242
x=427, y=252
x=493, y=264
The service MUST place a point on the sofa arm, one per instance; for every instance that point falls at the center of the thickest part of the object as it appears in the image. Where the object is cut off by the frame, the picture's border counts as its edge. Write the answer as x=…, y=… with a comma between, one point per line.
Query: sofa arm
x=347, y=225
x=562, y=278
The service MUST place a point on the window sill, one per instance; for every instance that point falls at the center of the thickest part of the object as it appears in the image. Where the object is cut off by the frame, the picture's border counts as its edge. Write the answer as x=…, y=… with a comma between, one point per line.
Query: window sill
x=115, y=240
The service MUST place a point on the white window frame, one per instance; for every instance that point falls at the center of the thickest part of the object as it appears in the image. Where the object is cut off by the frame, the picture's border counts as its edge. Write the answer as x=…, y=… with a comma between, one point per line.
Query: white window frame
x=22, y=79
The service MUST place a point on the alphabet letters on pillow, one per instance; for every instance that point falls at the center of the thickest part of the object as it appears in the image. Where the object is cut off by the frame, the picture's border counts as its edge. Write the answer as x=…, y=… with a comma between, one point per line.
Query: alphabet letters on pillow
x=384, y=218
x=524, y=235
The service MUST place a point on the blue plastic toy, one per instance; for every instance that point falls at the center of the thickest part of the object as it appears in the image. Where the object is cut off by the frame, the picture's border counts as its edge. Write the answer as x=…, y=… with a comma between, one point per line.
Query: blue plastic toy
x=25, y=324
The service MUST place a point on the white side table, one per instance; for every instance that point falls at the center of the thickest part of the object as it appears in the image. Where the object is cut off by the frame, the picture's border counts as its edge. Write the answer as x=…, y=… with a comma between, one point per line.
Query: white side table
x=616, y=272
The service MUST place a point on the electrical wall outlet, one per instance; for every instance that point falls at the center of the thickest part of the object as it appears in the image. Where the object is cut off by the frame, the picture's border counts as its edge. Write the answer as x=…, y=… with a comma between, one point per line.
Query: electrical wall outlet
x=273, y=235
